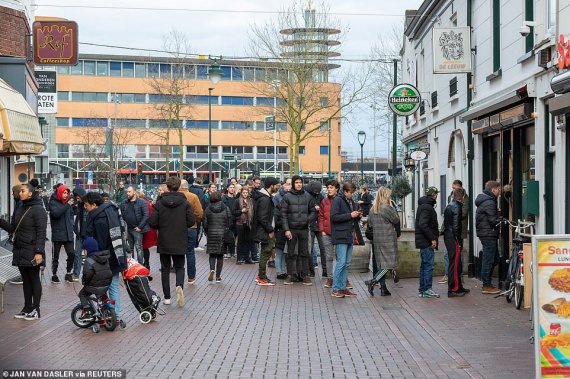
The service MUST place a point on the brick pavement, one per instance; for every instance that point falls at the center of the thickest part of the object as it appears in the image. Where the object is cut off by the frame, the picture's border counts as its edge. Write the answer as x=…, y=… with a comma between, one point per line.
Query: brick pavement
x=237, y=329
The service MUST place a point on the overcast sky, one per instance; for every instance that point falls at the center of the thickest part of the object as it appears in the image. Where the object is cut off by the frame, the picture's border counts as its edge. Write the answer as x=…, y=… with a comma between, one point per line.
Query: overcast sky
x=216, y=32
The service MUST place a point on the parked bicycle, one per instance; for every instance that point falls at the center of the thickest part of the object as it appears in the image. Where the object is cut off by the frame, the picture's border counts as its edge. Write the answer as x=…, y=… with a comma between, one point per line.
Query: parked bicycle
x=515, y=274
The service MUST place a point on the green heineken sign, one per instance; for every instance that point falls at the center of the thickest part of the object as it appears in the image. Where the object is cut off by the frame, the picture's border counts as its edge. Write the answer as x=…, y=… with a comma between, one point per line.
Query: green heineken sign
x=404, y=99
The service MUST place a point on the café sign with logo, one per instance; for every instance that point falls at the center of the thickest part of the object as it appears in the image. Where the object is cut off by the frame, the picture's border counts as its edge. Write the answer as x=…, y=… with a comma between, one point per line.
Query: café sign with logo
x=404, y=99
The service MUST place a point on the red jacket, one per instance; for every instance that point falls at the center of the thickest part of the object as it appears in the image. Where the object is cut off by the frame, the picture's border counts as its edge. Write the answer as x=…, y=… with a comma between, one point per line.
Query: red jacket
x=325, y=215
x=150, y=238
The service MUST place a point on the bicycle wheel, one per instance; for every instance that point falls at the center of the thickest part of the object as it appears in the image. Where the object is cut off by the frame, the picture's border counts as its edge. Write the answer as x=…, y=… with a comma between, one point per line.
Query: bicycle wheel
x=509, y=296
x=110, y=319
x=519, y=290
x=75, y=314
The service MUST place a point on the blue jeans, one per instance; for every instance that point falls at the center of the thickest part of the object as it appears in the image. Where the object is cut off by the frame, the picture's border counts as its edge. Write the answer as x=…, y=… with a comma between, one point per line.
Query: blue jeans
x=426, y=268
x=78, y=256
x=255, y=251
x=279, y=261
x=190, y=253
x=114, y=294
x=343, y=260
x=134, y=239
x=489, y=260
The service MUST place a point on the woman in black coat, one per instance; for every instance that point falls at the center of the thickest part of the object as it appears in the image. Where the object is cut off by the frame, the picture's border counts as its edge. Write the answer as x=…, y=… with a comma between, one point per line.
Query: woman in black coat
x=28, y=228
x=216, y=224
x=243, y=214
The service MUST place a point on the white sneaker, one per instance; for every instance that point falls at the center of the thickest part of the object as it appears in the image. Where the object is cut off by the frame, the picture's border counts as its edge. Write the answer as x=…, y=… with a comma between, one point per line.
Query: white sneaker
x=33, y=315
x=166, y=301
x=179, y=296
x=443, y=280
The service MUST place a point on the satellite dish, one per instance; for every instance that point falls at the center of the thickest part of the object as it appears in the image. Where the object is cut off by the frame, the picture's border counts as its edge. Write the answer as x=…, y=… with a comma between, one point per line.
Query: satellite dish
x=418, y=155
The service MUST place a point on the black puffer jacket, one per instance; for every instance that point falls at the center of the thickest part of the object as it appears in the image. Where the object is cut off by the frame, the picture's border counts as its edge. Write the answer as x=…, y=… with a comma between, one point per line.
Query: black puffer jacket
x=80, y=213
x=277, y=199
x=452, y=223
x=314, y=189
x=172, y=215
x=343, y=226
x=427, y=229
x=61, y=218
x=97, y=274
x=263, y=211
x=487, y=216
x=30, y=238
x=297, y=210
x=215, y=222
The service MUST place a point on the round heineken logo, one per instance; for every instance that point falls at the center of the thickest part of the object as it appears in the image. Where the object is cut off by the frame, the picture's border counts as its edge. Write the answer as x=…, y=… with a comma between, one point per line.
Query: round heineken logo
x=404, y=99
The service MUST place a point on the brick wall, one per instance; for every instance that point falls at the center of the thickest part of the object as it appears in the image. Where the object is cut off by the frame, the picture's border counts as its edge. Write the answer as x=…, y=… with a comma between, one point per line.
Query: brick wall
x=13, y=30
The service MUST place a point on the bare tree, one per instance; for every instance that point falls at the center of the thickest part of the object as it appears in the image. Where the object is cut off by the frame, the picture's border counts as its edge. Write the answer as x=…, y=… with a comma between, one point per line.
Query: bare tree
x=174, y=103
x=297, y=75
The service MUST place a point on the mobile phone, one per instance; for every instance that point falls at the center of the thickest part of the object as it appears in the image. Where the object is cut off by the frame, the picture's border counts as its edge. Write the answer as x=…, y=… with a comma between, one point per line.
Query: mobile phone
x=34, y=263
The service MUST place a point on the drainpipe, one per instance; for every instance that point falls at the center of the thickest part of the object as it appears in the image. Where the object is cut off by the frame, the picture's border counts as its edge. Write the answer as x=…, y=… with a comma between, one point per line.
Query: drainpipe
x=470, y=156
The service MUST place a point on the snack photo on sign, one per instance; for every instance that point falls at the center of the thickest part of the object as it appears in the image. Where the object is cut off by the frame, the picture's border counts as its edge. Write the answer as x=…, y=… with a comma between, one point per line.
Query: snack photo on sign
x=560, y=280
x=559, y=307
x=551, y=340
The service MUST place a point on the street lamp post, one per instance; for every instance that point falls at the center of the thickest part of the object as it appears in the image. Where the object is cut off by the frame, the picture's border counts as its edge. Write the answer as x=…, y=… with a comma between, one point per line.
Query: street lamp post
x=375, y=136
x=215, y=74
x=275, y=84
x=361, y=140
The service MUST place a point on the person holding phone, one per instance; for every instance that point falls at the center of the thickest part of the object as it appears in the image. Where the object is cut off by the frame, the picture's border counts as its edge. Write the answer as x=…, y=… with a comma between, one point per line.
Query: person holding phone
x=28, y=233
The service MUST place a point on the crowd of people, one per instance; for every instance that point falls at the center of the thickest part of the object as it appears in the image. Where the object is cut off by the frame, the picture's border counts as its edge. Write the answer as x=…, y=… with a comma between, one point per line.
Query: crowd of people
x=287, y=225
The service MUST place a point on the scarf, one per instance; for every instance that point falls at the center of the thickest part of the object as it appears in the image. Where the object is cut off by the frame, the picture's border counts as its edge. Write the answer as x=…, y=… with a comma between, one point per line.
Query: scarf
x=247, y=217
x=116, y=227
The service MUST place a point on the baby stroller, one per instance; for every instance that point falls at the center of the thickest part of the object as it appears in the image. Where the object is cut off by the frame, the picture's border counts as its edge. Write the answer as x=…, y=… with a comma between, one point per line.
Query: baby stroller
x=144, y=299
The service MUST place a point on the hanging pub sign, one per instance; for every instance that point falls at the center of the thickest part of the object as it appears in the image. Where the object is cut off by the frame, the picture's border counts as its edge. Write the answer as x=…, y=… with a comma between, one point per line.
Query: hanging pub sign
x=563, y=52
x=451, y=50
x=404, y=99
x=55, y=43
x=551, y=305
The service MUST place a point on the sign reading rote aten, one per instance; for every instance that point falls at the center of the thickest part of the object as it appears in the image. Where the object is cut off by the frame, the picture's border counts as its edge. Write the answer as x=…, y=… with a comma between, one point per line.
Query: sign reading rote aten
x=404, y=99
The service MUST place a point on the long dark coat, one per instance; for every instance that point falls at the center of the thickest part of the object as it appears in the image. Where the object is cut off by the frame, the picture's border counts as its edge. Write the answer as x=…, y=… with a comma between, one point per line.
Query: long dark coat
x=216, y=222
x=385, y=228
x=172, y=216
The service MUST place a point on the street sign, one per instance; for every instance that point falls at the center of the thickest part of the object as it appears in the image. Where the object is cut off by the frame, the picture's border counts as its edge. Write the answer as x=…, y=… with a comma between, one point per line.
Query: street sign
x=47, y=91
x=404, y=99
x=231, y=157
x=269, y=123
x=418, y=155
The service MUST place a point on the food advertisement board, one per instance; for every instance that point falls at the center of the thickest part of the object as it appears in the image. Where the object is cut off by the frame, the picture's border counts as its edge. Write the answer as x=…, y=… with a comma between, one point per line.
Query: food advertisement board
x=551, y=275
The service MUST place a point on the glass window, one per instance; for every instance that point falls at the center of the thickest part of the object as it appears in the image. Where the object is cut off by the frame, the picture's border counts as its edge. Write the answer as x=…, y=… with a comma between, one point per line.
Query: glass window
x=202, y=149
x=237, y=125
x=175, y=152
x=165, y=70
x=324, y=126
x=324, y=101
x=201, y=100
x=236, y=73
x=324, y=150
x=89, y=96
x=264, y=101
x=77, y=96
x=157, y=124
x=102, y=96
x=128, y=152
x=237, y=100
x=248, y=149
x=115, y=68
x=141, y=151
x=153, y=70
x=259, y=74
x=191, y=149
x=102, y=68
x=302, y=150
x=248, y=74
x=177, y=71
x=88, y=122
x=282, y=126
x=63, y=70
x=282, y=150
x=155, y=98
x=131, y=123
x=200, y=124
x=226, y=72
x=127, y=97
x=201, y=72
x=226, y=149
x=140, y=70
x=140, y=98
x=189, y=72
x=128, y=69
x=77, y=69
x=551, y=17
x=63, y=95
x=89, y=68
x=62, y=121
x=62, y=150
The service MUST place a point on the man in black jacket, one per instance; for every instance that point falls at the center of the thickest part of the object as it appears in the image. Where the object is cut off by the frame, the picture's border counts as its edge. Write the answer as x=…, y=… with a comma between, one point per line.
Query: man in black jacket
x=79, y=227
x=104, y=225
x=61, y=217
x=297, y=211
x=427, y=234
x=264, y=226
x=486, y=220
x=135, y=214
x=452, y=237
x=314, y=189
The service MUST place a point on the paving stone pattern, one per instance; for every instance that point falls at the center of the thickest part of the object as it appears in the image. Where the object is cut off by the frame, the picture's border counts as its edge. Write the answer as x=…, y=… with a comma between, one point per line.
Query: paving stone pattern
x=237, y=329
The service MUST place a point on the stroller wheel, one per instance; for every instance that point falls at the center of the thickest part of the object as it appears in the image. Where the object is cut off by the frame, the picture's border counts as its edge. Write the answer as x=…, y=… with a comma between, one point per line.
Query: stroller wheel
x=122, y=324
x=145, y=317
x=96, y=328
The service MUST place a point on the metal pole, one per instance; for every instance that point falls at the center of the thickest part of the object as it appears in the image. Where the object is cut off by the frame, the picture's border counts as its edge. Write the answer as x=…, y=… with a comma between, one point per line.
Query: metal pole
x=111, y=147
x=470, y=155
x=329, y=150
x=29, y=169
x=395, y=127
x=375, y=135
x=275, y=129
x=210, y=135
x=362, y=164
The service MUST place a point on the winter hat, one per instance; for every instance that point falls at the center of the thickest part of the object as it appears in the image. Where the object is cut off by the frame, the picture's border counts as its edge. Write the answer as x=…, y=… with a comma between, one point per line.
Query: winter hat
x=432, y=191
x=90, y=245
x=270, y=181
x=295, y=178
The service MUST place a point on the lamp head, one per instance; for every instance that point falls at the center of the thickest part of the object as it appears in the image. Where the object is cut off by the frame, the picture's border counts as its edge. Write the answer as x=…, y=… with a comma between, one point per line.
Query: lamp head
x=361, y=137
x=215, y=73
